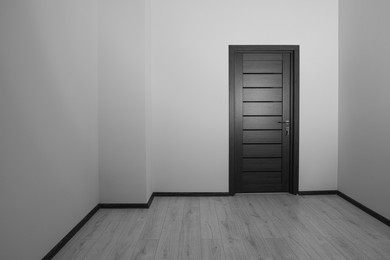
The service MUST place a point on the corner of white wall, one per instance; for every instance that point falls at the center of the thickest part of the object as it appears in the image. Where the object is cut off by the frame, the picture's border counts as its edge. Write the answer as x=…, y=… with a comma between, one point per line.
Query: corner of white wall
x=48, y=114
x=364, y=124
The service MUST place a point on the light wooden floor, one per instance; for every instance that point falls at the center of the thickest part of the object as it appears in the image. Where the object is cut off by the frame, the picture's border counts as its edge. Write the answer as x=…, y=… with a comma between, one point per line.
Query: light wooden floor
x=269, y=226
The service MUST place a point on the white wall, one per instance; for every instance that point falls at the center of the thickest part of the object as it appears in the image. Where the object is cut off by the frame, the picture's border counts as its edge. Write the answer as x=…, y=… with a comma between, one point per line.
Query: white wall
x=122, y=101
x=189, y=62
x=148, y=98
x=48, y=122
x=364, y=122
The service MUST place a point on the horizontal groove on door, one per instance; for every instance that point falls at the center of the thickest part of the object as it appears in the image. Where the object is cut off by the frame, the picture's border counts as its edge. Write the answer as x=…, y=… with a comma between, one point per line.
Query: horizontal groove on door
x=265, y=94
x=265, y=129
x=260, y=157
x=260, y=73
x=262, y=66
x=258, y=164
x=262, y=80
x=254, y=101
x=247, y=116
x=262, y=122
x=262, y=177
x=262, y=56
x=274, y=109
x=261, y=87
x=262, y=150
x=258, y=137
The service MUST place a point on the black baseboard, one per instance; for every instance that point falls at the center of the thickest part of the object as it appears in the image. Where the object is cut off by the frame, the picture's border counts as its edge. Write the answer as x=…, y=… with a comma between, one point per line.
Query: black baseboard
x=318, y=192
x=365, y=209
x=124, y=205
x=127, y=205
x=68, y=236
x=150, y=200
x=190, y=194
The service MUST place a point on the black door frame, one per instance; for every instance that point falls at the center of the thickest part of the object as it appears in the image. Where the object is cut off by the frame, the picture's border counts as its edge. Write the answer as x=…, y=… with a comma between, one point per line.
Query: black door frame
x=294, y=109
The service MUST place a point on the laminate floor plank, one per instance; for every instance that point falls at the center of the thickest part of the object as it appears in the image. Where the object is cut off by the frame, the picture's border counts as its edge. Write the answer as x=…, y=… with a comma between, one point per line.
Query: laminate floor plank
x=348, y=249
x=209, y=228
x=212, y=249
x=302, y=249
x=256, y=248
x=128, y=237
x=279, y=248
x=372, y=246
x=75, y=249
x=234, y=249
x=323, y=208
x=223, y=209
x=250, y=204
x=358, y=217
x=168, y=247
x=155, y=219
x=275, y=215
x=319, y=246
x=246, y=226
x=189, y=241
x=234, y=202
x=106, y=242
x=287, y=220
x=229, y=230
x=145, y=249
x=97, y=224
x=266, y=223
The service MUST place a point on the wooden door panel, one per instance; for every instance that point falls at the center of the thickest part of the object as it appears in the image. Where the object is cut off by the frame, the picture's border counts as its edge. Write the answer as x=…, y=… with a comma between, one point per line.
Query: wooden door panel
x=259, y=122
x=258, y=137
x=261, y=164
x=262, y=150
x=256, y=66
x=262, y=80
x=258, y=109
x=261, y=178
x=259, y=94
x=264, y=187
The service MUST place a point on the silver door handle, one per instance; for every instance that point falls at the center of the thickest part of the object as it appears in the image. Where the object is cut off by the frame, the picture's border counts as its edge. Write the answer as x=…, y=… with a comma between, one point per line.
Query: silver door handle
x=287, y=122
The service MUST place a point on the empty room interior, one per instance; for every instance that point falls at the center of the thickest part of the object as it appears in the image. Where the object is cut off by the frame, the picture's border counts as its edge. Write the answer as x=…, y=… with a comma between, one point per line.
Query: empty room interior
x=194, y=129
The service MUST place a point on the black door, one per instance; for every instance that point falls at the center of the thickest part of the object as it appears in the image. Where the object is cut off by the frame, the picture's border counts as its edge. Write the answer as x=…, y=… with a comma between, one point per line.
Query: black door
x=263, y=119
